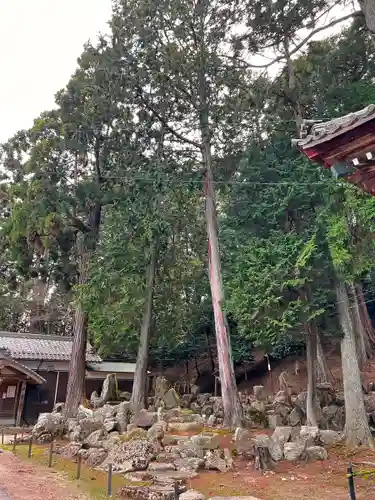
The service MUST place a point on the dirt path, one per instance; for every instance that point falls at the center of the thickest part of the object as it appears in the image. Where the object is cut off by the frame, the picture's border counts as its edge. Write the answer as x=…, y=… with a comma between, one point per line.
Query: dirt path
x=23, y=481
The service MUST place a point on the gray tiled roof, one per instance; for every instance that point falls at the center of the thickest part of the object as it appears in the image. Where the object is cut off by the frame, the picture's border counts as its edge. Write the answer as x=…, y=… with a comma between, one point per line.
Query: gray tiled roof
x=325, y=130
x=41, y=347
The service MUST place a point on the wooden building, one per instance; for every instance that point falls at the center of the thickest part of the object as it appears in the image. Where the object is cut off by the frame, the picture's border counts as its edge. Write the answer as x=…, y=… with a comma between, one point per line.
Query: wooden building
x=346, y=145
x=34, y=374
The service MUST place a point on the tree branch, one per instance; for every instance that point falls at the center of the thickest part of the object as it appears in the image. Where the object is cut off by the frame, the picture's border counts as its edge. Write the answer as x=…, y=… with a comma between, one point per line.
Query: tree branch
x=165, y=123
x=304, y=41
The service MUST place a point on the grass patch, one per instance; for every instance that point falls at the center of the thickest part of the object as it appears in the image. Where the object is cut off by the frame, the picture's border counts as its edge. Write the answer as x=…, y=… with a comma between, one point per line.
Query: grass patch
x=92, y=482
x=220, y=432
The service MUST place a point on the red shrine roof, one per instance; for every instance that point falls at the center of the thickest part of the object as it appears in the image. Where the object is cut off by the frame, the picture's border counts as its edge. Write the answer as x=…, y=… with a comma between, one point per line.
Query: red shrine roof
x=348, y=142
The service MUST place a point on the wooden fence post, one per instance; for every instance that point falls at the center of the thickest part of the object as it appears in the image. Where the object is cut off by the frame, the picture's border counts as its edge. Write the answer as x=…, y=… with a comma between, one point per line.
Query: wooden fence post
x=50, y=454
x=109, y=480
x=350, y=476
x=14, y=442
x=30, y=445
x=79, y=461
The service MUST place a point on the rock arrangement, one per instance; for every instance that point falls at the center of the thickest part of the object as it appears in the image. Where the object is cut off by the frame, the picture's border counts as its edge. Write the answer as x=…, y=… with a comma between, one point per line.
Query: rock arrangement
x=151, y=448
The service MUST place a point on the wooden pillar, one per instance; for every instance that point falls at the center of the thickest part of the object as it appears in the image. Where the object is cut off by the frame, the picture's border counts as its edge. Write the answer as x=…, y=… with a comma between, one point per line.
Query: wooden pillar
x=21, y=403
x=56, y=388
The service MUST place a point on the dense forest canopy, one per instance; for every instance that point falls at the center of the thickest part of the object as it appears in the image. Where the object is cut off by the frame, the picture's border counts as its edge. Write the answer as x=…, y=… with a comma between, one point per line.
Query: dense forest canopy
x=103, y=223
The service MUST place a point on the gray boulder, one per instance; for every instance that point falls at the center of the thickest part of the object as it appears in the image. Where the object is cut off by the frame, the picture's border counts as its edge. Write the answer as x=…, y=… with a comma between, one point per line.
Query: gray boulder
x=130, y=456
x=96, y=439
x=294, y=451
x=95, y=457
x=109, y=389
x=171, y=399
x=189, y=464
x=96, y=401
x=329, y=437
x=87, y=426
x=316, y=453
x=218, y=460
x=49, y=423
x=161, y=387
x=192, y=495
x=206, y=441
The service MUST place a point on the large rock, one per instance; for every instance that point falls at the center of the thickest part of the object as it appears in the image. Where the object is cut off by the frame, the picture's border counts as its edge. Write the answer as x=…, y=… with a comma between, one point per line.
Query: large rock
x=121, y=422
x=84, y=412
x=155, y=492
x=329, y=437
x=95, y=457
x=309, y=435
x=188, y=449
x=71, y=450
x=316, y=453
x=294, y=451
x=185, y=426
x=282, y=434
x=295, y=417
x=95, y=400
x=157, y=431
x=274, y=420
x=276, y=449
x=130, y=456
x=218, y=460
x=192, y=495
x=171, y=399
x=49, y=423
x=244, y=442
x=87, y=426
x=110, y=424
x=109, y=389
x=161, y=387
x=146, y=419
x=206, y=441
x=161, y=467
x=189, y=464
x=106, y=412
x=96, y=439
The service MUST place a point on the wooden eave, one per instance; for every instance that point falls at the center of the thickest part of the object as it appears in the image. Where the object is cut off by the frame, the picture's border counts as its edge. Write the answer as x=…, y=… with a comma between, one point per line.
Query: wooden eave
x=19, y=369
x=347, y=146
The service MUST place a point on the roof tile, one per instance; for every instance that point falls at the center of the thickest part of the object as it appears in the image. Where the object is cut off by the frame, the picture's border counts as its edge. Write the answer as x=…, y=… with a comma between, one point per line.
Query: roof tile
x=41, y=347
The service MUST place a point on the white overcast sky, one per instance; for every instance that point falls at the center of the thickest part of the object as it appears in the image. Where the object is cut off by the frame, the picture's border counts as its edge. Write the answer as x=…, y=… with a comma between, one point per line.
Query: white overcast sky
x=40, y=41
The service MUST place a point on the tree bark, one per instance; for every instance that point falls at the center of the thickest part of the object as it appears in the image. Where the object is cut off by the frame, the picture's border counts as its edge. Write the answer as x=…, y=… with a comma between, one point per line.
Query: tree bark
x=324, y=374
x=231, y=403
x=368, y=9
x=362, y=343
x=233, y=416
x=357, y=430
x=366, y=320
x=209, y=351
x=311, y=355
x=86, y=243
x=140, y=374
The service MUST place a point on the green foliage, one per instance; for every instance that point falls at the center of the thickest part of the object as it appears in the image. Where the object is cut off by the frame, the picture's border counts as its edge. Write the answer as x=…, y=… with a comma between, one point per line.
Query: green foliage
x=118, y=166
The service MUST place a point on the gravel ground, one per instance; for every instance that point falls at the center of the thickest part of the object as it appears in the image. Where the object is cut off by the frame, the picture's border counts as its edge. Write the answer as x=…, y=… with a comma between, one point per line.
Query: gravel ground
x=23, y=481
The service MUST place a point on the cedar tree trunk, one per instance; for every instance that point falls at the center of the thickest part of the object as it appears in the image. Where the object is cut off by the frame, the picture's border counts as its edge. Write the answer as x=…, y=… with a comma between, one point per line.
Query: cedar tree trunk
x=140, y=376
